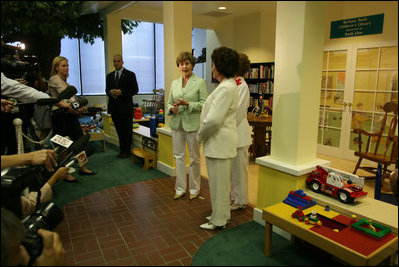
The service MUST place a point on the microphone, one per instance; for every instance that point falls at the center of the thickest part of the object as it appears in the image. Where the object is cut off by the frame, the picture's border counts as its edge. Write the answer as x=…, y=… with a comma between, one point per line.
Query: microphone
x=79, y=103
x=40, y=102
x=76, y=147
x=80, y=158
x=67, y=93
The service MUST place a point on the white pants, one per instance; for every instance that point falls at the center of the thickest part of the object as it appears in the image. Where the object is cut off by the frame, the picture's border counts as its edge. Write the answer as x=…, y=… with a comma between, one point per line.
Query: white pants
x=219, y=171
x=239, y=177
x=179, y=139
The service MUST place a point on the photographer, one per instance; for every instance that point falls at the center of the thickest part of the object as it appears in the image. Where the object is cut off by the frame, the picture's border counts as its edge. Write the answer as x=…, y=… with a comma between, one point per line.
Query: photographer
x=13, y=253
x=41, y=157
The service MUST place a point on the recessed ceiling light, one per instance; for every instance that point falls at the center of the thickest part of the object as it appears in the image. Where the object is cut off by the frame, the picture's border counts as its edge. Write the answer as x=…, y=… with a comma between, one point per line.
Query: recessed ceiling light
x=222, y=8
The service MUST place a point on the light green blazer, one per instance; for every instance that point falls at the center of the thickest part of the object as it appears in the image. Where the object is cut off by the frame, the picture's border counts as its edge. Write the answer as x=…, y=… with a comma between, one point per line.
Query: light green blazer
x=195, y=93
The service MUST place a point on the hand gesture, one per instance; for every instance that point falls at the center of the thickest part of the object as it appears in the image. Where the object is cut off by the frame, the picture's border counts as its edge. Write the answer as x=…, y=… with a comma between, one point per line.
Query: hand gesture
x=44, y=157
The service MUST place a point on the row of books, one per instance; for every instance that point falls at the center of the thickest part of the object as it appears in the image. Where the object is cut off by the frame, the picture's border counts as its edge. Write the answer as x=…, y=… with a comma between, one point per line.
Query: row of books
x=266, y=88
x=253, y=73
x=263, y=72
x=266, y=72
x=262, y=88
x=256, y=102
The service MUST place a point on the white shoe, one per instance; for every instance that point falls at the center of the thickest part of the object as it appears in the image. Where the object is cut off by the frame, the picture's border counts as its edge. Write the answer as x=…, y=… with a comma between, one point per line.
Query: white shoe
x=210, y=226
x=208, y=218
x=236, y=206
x=194, y=196
x=177, y=196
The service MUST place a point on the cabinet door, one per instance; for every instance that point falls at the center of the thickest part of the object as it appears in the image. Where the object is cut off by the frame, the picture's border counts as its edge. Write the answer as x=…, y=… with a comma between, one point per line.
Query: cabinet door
x=356, y=83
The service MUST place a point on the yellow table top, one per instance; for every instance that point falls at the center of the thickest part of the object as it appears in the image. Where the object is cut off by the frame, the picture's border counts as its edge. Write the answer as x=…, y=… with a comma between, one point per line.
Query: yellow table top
x=284, y=211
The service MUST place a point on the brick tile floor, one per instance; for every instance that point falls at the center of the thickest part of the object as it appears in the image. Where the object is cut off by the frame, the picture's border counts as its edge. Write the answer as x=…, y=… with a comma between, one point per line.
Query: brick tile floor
x=138, y=224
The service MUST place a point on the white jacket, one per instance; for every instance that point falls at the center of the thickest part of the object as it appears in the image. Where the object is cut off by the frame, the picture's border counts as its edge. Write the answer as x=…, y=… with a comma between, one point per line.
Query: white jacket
x=218, y=122
x=243, y=128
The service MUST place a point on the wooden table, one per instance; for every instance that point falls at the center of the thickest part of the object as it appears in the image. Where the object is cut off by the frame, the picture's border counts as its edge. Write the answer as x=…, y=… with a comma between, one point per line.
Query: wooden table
x=280, y=215
x=261, y=126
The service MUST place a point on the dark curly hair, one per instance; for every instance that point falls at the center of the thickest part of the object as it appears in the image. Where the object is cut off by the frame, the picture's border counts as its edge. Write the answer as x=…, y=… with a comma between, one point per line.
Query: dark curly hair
x=225, y=60
x=243, y=64
x=183, y=56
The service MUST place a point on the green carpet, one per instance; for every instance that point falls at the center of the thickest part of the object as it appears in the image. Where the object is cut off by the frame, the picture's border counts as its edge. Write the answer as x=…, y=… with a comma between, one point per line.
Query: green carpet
x=111, y=171
x=243, y=245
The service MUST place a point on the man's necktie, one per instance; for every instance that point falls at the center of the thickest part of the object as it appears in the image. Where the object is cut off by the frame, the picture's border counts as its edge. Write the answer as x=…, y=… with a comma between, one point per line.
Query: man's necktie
x=117, y=77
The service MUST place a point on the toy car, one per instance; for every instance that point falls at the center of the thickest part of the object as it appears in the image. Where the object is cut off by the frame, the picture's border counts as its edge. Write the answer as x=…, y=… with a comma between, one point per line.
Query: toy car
x=332, y=183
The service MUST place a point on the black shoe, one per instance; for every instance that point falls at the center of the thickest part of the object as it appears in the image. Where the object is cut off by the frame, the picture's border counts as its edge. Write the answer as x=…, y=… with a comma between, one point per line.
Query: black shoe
x=124, y=155
x=87, y=173
x=72, y=181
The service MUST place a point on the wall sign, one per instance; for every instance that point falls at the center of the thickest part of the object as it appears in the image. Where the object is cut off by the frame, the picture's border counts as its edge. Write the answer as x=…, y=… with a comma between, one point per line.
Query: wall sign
x=357, y=26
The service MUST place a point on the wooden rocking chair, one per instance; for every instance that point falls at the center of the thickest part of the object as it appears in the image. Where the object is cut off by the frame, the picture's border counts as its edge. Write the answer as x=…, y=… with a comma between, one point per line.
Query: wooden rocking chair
x=390, y=149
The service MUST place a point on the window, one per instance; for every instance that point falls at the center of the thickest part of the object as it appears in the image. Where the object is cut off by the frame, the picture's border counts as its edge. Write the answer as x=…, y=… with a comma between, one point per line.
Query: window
x=142, y=51
x=86, y=65
x=138, y=51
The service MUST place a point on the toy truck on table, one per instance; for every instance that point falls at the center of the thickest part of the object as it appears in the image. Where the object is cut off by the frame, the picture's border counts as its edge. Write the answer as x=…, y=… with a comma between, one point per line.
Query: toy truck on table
x=347, y=187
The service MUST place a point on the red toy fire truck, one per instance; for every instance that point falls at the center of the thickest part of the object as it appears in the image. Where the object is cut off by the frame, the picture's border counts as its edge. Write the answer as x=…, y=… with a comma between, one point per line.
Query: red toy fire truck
x=336, y=183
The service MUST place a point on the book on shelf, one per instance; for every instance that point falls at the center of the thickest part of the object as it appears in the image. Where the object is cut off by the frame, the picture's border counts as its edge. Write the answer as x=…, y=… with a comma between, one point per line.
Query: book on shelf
x=253, y=88
x=253, y=73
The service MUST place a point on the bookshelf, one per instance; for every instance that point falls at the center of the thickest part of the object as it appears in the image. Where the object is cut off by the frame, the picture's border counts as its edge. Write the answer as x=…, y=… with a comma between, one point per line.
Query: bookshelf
x=260, y=80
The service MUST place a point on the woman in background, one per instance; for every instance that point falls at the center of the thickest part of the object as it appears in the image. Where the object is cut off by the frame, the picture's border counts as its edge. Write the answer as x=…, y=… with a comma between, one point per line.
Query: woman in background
x=239, y=166
x=65, y=119
x=186, y=98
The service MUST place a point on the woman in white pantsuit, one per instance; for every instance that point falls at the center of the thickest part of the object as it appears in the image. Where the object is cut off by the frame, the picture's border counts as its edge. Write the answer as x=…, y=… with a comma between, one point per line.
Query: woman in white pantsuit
x=218, y=133
x=186, y=98
x=239, y=170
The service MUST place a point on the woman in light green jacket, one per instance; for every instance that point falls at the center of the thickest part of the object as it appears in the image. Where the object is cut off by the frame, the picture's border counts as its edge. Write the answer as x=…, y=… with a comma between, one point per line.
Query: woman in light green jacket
x=186, y=98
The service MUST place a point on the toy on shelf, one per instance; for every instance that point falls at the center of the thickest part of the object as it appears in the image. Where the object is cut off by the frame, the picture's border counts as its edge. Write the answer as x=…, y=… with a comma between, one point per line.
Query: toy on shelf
x=371, y=228
x=299, y=198
x=137, y=114
x=313, y=219
x=298, y=214
x=347, y=187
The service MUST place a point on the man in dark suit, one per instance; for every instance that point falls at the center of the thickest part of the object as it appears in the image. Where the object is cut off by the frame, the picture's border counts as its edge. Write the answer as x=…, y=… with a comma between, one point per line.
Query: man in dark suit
x=121, y=86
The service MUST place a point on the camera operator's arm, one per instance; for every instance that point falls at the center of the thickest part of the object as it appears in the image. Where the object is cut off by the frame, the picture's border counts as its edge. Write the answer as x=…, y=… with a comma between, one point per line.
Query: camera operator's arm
x=53, y=251
x=24, y=93
x=44, y=157
x=28, y=202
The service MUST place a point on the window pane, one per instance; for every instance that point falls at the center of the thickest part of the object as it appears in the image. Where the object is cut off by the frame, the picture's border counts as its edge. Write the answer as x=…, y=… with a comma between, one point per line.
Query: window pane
x=389, y=57
x=365, y=80
x=331, y=137
x=363, y=101
x=138, y=55
x=387, y=80
x=337, y=60
x=325, y=54
x=367, y=58
x=334, y=99
x=159, y=57
x=70, y=50
x=336, y=80
x=93, y=67
x=334, y=118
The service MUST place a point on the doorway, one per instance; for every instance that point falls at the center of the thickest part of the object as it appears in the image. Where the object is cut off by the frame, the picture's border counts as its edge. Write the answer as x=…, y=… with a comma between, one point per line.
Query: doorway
x=357, y=81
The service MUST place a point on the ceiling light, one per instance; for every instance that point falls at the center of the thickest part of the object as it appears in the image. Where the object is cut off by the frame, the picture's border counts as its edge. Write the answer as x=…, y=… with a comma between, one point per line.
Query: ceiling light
x=222, y=8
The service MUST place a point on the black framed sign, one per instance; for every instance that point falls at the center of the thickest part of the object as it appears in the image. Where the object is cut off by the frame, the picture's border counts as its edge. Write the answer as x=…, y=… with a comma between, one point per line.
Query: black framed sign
x=357, y=26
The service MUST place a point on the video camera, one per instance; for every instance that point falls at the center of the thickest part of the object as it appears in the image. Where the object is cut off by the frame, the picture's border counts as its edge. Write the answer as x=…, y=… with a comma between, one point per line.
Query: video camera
x=22, y=68
x=46, y=215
